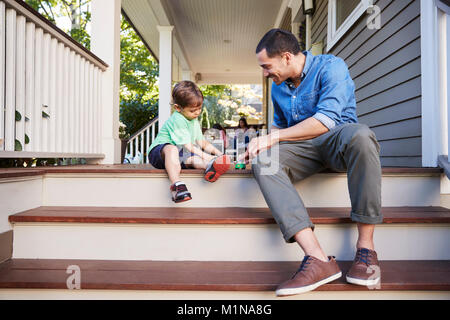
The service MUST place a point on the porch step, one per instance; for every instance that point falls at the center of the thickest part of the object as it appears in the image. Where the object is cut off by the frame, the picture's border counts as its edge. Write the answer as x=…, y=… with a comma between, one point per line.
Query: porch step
x=231, y=215
x=211, y=276
x=144, y=186
x=150, y=188
x=217, y=234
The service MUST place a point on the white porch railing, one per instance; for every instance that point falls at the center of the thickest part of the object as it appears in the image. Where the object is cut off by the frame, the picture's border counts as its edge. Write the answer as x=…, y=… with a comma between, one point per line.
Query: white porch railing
x=50, y=89
x=141, y=140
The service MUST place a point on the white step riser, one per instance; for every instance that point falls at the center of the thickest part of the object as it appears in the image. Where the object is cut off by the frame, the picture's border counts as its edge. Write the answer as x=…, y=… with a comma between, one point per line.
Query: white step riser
x=36, y=294
x=218, y=242
x=322, y=190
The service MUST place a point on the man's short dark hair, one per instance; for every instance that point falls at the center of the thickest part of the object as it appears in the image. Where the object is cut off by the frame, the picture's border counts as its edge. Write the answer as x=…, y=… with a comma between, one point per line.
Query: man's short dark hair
x=277, y=41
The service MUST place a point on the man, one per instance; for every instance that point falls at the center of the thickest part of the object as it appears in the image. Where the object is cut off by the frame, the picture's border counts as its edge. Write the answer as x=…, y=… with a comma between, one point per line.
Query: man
x=315, y=125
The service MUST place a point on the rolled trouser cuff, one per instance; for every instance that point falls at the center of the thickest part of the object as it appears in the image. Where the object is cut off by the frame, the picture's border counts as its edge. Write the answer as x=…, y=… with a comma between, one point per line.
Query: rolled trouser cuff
x=292, y=231
x=374, y=219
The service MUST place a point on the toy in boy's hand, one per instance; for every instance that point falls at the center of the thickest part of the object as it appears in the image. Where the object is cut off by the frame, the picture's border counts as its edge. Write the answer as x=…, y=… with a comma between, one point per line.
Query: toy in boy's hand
x=240, y=165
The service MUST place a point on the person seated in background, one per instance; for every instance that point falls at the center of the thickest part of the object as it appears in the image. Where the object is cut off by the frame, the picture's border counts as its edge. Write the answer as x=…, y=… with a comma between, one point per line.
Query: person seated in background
x=243, y=125
x=223, y=135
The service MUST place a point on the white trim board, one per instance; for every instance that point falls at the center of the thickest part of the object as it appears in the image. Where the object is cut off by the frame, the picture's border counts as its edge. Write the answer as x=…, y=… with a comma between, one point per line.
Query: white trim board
x=431, y=123
x=333, y=35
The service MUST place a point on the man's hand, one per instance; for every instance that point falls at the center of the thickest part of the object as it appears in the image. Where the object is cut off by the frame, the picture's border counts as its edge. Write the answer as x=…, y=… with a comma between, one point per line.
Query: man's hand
x=259, y=144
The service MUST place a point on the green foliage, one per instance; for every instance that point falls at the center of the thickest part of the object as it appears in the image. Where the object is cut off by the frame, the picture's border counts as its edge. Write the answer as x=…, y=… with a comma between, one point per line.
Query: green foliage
x=138, y=75
x=138, y=69
x=135, y=113
x=215, y=90
x=17, y=146
x=75, y=10
x=211, y=109
x=205, y=119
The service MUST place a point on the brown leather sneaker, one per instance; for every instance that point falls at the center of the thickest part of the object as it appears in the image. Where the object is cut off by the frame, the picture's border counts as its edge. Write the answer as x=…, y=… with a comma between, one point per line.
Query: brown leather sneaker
x=365, y=270
x=311, y=274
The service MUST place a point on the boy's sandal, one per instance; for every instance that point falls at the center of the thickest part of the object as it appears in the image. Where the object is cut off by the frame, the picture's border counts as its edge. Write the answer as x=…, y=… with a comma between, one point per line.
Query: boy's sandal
x=180, y=193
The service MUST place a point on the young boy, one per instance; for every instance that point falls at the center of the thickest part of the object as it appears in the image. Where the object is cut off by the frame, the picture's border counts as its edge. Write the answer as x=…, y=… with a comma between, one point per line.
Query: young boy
x=180, y=144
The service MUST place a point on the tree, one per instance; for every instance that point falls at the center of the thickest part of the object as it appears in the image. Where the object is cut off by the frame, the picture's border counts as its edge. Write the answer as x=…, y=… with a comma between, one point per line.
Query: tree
x=224, y=104
x=77, y=11
x=138, y=76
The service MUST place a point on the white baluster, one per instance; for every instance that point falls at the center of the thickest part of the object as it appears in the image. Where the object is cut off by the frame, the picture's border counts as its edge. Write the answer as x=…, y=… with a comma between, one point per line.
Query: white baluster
x=20, y=81
x=148, y=144
x=142, y=142
x=99, y=112
x=86, y=107
x=52, y=95
x=66, y=125
x=10, y=85
x=2, y=73
x=29, y=84
x=95, y=112
x=82, y=105
x=77, y=109
x=45, y=92
x=91, y=109
x=71, y=105
x=59, y=117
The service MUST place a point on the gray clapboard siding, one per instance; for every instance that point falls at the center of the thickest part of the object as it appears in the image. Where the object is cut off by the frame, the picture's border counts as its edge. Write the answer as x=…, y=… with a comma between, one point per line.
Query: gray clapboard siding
x=402, y=129
x=408, y=147
x=405, y=110
x=398, y=40
x=405, y=54
x=394, y=16
x=319, y=22
x=385, y=65
x=402, y=161
x=407, y=72
x=356, y=30
x=391, y=97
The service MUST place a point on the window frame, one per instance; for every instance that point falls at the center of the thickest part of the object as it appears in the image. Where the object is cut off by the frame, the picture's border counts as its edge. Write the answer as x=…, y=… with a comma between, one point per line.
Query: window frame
x=333, y=35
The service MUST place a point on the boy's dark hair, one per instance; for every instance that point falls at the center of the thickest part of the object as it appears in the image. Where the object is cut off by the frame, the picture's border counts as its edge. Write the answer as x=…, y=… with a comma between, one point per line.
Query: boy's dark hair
x=277, y=41
x=186, y=93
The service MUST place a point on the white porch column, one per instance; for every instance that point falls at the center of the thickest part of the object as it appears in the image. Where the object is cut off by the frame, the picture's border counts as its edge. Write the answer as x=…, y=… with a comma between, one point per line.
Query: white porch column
x=105, y=43
x=431, y=128
x=165, y=72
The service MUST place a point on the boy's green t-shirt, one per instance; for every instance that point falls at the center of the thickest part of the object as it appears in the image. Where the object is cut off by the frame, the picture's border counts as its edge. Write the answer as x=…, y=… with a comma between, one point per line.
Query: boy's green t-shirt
x=178, y=130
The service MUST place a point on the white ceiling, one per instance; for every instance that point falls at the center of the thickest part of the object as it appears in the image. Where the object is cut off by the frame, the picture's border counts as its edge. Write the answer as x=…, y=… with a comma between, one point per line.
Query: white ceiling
x=216, y=38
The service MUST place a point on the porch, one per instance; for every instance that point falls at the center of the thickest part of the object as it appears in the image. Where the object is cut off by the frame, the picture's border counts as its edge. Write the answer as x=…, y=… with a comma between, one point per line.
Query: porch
x=117, y=223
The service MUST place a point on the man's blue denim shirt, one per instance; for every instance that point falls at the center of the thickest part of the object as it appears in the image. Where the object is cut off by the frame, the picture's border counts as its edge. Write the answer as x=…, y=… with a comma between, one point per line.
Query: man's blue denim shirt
x=326, y=93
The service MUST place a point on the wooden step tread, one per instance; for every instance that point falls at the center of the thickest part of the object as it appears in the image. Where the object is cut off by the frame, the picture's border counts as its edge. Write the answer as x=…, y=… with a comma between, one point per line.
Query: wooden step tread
x=208, y=276
x=148, y=169
x=187, y=215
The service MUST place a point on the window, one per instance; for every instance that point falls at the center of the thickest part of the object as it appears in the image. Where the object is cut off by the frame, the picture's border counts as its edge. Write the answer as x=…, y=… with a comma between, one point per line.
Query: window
x=342, y=14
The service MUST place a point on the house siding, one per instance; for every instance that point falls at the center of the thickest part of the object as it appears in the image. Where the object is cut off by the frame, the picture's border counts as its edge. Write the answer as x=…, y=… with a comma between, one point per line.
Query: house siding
x=385, y=65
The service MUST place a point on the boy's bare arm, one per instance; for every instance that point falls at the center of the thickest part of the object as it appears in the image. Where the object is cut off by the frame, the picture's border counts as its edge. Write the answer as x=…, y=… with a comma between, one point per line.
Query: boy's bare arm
x=209, y=148
x=194, y=149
